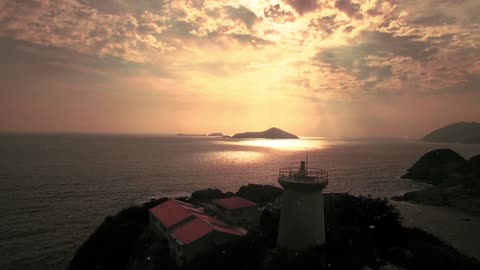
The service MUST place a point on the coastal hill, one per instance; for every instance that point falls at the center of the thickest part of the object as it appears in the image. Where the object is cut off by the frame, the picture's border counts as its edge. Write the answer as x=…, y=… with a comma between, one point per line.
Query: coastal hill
x=362, y=233
x=461, y=132
x=436, y=166
x=271, y=133
x=455, y=180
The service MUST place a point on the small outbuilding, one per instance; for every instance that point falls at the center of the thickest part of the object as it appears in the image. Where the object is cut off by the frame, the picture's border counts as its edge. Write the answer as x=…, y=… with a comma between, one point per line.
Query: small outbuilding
x=238, y=210
x=189, y=231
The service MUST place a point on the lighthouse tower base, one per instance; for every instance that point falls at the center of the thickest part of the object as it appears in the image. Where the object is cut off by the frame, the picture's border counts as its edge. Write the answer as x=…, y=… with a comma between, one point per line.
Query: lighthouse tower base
x=302, y=222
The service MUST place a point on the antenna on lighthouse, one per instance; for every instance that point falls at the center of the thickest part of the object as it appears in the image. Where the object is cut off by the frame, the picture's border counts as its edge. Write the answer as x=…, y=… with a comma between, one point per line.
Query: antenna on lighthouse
x=306, y=160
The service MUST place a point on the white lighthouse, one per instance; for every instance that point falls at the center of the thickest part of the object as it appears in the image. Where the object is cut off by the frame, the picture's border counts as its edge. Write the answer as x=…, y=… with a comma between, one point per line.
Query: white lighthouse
x=302, y=221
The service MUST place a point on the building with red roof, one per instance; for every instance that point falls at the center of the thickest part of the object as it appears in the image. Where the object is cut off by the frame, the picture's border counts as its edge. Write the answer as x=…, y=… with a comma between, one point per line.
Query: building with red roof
x=238, y=210
x=188, y=230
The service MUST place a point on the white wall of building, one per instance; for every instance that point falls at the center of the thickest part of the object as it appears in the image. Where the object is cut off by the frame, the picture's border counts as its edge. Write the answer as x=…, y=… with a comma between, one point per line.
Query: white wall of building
x=302, y=221
x=242, y=216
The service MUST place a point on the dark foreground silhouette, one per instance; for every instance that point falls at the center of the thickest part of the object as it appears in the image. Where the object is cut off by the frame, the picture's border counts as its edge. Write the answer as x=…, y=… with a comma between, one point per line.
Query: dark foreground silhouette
x=361, y=231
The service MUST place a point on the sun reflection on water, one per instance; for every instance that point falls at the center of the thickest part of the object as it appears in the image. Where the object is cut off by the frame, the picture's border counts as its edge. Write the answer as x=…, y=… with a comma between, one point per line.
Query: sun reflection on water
x=252, y=155
x=236, y=157
x=279, y=144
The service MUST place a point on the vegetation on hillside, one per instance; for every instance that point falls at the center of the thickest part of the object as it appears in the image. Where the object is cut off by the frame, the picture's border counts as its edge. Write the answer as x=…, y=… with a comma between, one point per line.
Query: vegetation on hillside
x=461, y=132
x=361, y=231
x=456, y=180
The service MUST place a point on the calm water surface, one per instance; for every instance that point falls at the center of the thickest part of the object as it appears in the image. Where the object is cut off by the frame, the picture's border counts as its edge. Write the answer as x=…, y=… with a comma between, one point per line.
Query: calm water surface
x=56, y=189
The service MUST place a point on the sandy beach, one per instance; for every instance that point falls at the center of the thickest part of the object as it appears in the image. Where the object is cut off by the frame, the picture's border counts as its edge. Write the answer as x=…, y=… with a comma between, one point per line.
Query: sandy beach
x=455, y=227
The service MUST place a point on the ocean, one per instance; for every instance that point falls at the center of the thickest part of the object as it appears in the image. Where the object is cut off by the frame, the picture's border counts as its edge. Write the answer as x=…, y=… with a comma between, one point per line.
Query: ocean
x=56, y=189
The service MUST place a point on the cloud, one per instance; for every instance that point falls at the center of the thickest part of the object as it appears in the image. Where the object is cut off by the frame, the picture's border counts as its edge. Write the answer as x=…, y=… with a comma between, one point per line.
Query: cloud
x=388, y=43
x=79, y=27
x=435, y=19
x=374, y=43
x=277, y=14
x=37, y=60
x=373, y=57
x=250, y=39
x=303, y=6
x=385, y=44
x=385, y=62
x=365, y=71
x=178, y=59
x=348, y=29
x=350, y=8
x=124, y=6
x=242, y=14
x=325, y=25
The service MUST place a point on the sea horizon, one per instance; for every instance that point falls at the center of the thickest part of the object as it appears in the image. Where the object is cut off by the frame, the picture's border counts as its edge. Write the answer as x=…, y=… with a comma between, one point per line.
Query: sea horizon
x=133, y=134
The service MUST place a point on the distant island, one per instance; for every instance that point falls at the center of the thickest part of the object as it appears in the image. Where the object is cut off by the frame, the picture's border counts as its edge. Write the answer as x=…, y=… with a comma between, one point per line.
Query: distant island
x=190, y=134
x=271, y=133
x=455, y=180
x=216, y=134
x=461, y=132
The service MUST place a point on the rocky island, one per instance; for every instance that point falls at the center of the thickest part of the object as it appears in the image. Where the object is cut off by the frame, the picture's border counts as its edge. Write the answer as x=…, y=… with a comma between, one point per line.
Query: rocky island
x=362, y=233
x=455, y=180
x=191, y=135
x=216, y=134
x=271, y=133
x=461, y=132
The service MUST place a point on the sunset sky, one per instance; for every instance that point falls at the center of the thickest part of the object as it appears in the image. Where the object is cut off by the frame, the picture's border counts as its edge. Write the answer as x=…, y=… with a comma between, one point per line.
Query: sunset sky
x=314, y=68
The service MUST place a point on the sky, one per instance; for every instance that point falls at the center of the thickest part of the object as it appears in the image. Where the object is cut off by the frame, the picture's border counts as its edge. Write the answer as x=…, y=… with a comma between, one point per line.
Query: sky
x=314, y=68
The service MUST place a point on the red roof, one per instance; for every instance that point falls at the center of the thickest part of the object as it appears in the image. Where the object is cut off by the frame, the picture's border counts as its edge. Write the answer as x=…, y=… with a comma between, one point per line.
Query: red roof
x=170, y=213
x=202, y=225
x=198, y=224
x=192, y=230
x=235, y=203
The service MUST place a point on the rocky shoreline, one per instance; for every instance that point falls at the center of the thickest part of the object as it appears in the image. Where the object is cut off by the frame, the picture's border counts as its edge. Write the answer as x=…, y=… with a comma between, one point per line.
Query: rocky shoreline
x=455, y=180
x=452, y=196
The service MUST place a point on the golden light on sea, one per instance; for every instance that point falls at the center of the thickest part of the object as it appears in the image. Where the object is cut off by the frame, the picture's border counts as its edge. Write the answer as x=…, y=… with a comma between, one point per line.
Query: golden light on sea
x=285, y=145
x=234, y=157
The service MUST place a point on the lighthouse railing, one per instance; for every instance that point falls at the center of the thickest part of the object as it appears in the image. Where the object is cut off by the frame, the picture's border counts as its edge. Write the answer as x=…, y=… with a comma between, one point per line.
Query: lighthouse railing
x=297, y=175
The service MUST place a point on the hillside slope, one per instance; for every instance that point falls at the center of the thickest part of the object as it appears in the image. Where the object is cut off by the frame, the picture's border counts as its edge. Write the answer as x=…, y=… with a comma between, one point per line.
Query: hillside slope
x=461, y=132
